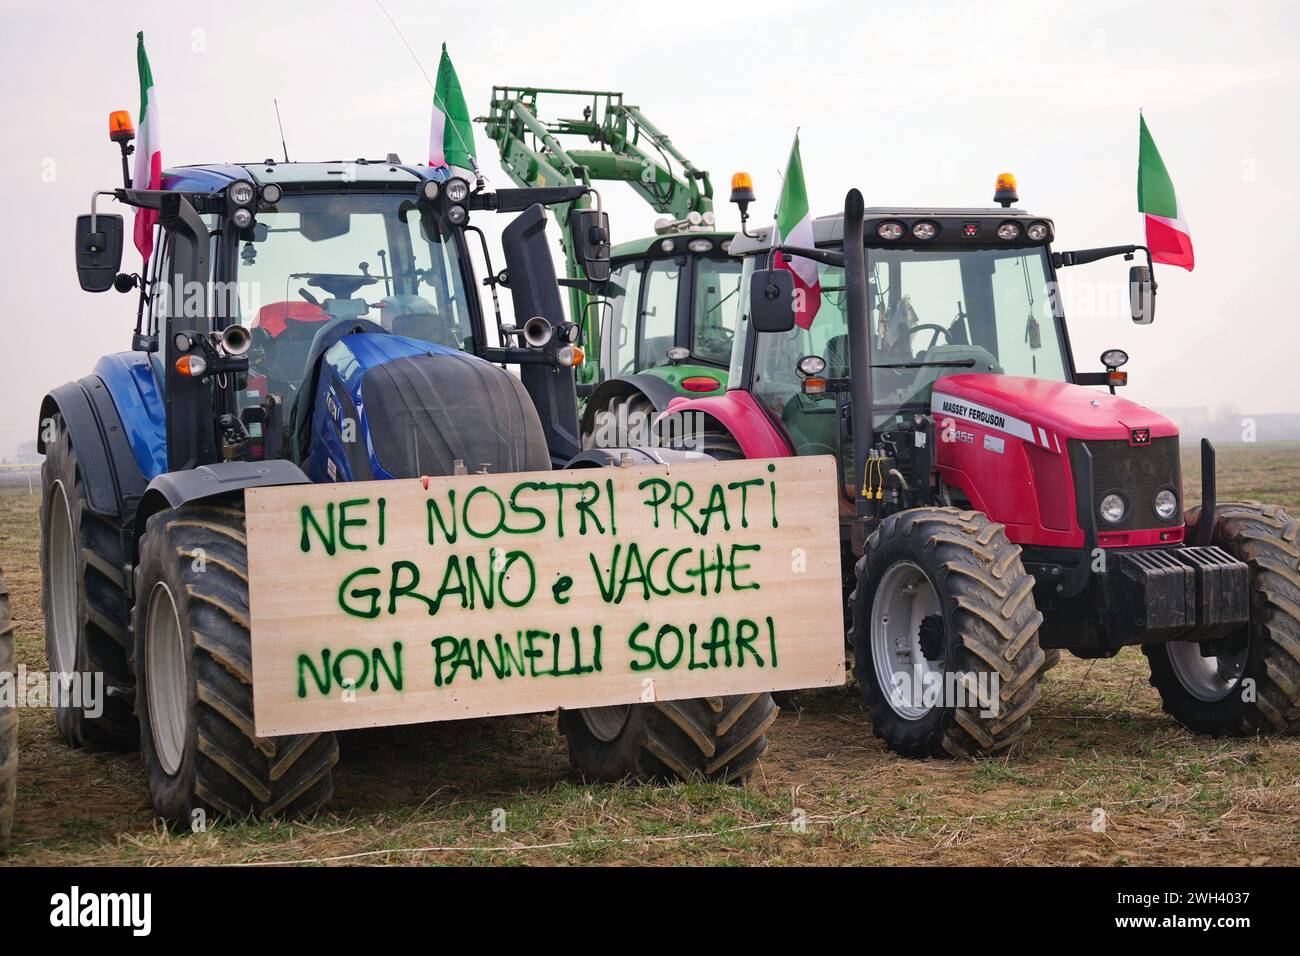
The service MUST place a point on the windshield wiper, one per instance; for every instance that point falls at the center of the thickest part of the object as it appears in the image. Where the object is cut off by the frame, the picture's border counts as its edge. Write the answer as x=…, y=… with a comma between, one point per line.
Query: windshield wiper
x=955, y=363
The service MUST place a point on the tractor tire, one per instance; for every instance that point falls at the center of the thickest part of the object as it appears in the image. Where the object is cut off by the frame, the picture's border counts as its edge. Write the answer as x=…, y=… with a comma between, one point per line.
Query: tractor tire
x=635, y=404
x=711, y=738
x=193, y=662
x=83, y=595
x=970, y=613
x=8, y=720
x=1254, y=686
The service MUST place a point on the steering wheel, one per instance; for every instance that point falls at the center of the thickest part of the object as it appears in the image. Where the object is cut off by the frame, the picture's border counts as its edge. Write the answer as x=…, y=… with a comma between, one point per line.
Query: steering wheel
x=338, y=286
x=931, y=327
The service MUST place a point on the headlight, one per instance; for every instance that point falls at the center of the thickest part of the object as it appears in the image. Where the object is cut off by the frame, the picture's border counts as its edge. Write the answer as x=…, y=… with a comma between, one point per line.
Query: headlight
x=1037, y=231
x=457, y=190
x=1113, y=508
x=1009, y=231
x=456, y=215
x=890, y=230
x=242, y=217
x=1166, y=504
x=271, y=193
x=925, y=230
x=241, y=192
x=666, y=245
x=700, y=245
x=429, y=189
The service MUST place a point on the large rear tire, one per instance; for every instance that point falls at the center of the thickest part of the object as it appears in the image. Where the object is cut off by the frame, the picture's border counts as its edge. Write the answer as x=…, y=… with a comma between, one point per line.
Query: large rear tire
x=621, y=412
x=194, y=666
x=943, y=603
x=1248, y=682
x=713, y=738
x=83, y=594
x=8, y=720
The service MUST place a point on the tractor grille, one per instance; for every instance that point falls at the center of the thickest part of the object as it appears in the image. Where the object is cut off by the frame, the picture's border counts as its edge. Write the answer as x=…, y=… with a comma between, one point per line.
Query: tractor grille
x=1136, y=472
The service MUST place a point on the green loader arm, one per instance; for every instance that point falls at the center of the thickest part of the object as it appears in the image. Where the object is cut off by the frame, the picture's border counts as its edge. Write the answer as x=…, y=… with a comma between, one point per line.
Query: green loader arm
x=627, y=148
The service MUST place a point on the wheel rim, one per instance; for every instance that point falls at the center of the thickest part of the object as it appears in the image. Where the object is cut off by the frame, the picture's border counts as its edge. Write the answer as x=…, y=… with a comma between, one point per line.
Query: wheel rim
x=63, y=580
x=168, y=683
x=606, y=723
x=1206, y=678
x=904, y=598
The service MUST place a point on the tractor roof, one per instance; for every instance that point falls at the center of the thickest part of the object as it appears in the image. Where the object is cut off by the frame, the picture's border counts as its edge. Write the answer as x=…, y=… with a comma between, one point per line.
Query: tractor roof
x=828, y=229
x=650, y=244
x=214, y=178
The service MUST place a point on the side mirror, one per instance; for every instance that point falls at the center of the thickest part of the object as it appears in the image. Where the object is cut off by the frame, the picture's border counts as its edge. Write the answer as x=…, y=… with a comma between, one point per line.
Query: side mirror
x=99, y=250
x=771, y=300
x=1141, y=295
x=589, y=235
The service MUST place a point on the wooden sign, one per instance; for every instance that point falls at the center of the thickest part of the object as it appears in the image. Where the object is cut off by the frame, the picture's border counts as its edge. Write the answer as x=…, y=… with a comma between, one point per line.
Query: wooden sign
x=386, y=602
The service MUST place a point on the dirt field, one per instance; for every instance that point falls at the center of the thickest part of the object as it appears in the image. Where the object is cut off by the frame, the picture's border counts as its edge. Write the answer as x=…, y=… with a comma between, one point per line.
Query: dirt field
x=1100, y=750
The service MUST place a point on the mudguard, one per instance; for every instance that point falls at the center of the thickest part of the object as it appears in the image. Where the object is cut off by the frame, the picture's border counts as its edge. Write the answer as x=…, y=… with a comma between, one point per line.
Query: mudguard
x=175, y=488
x=659, y=392
x=741, y=416
x=113, y=479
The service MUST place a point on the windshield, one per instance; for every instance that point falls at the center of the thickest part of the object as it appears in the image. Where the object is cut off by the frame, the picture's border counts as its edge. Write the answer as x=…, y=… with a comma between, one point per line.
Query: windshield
x=321, y=257
x=640, y=321
x=932, y=313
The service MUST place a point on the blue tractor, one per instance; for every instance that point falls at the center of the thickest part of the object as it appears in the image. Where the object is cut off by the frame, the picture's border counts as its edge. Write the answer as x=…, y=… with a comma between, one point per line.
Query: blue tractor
x=303, y=322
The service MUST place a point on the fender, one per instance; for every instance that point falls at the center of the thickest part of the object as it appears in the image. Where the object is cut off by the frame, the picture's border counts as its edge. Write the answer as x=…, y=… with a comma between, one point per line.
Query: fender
x=113, y=479
x=739, y=414
x=654, y=388
x=175, y=488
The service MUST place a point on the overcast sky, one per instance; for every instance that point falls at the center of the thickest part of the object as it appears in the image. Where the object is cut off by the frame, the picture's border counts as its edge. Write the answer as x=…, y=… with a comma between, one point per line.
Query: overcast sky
x=910, y=102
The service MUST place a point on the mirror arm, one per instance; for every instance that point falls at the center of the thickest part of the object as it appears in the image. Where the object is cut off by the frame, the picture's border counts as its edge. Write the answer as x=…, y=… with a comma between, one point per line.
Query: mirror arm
x=826, y=257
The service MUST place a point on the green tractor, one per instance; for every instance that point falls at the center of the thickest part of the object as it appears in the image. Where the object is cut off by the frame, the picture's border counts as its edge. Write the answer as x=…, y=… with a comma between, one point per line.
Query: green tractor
x=662, y=326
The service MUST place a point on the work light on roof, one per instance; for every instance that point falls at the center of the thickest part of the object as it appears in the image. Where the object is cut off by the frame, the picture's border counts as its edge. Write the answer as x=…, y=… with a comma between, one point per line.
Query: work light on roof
x=457, y=190
x=241, y=192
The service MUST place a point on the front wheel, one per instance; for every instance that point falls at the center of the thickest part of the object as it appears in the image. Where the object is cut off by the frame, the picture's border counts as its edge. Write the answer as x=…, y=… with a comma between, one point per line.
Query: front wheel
x=1248, y=681
x=945, y=634
x=193, y=664
x=714, y=738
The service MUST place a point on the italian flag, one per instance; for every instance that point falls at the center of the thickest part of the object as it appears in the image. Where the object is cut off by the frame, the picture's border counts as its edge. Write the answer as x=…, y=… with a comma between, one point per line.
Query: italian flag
x=451, y=135
x=1168, y=237
x=794, y=227
x=148, y=151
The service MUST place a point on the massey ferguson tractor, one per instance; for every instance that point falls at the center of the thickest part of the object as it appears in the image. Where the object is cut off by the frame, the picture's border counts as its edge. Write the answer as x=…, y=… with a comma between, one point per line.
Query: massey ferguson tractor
x=999, y=505
x=301, y=322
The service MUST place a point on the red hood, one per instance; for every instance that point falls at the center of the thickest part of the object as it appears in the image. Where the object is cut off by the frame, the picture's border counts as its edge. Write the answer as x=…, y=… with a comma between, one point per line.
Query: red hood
x=1063, y=410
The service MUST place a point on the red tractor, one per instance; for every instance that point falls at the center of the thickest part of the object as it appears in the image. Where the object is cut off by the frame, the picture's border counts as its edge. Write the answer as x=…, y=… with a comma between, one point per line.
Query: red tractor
x=998, y=506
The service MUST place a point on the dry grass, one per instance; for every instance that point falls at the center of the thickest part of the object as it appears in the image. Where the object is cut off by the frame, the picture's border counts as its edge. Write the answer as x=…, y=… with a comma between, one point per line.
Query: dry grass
x=427, y=794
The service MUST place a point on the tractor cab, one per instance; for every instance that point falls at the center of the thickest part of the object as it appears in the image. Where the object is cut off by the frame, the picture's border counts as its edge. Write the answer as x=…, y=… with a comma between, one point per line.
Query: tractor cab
x=963, y=299
x=671, y=310
x=327, y=314
x=997, y=506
